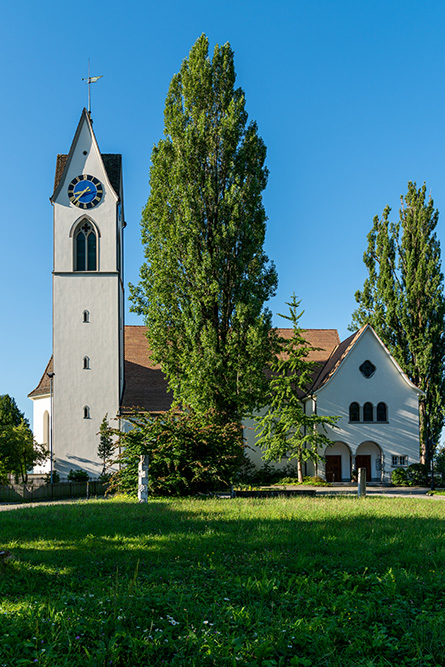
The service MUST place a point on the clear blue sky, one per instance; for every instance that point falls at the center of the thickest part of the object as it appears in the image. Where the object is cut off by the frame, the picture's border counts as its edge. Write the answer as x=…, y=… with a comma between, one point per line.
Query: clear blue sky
x=349, y=98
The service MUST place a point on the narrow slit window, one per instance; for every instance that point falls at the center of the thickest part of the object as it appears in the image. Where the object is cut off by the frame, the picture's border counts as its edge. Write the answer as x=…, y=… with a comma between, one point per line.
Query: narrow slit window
x=86, y=412
x=86, y=316
x=86, y=363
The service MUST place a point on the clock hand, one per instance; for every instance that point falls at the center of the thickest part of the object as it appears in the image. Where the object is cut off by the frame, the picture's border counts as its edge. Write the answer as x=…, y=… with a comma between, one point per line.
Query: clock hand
x=78, y=195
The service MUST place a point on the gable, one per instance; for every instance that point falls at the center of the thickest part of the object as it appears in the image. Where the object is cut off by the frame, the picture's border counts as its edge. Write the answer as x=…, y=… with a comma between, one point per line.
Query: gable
x=343, y=367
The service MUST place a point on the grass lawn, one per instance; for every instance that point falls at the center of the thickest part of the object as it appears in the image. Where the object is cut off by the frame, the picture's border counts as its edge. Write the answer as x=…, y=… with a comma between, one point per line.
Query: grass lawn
x=300, y=581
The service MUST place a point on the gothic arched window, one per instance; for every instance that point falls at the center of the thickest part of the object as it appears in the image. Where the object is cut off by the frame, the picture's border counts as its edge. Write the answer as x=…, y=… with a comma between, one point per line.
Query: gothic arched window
x=368, y=412
x=85, y=247
x=354, y=412
x=382, y=412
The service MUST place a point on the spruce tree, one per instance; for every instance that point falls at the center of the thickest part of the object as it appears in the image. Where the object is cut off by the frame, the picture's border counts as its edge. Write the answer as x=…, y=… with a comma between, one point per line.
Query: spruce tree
x=206, y=277
x=105, y=449
x=285, y=430
x=403, y=299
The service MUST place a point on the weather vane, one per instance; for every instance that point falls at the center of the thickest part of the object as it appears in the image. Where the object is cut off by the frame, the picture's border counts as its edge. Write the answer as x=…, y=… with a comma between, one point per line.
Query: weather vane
x=90, y=80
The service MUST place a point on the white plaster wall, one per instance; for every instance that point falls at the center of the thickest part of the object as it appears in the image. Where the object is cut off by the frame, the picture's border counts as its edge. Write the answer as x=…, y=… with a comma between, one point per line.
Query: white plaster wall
x=254, y=453
x=75, y=438
x=40, y=405
x=401, y=434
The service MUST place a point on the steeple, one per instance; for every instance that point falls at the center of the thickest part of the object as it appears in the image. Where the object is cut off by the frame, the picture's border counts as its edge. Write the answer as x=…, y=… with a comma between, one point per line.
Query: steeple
x=88, y=298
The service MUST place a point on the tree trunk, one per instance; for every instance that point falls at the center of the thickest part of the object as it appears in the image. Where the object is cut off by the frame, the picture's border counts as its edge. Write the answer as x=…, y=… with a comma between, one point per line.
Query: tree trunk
x=300, y=471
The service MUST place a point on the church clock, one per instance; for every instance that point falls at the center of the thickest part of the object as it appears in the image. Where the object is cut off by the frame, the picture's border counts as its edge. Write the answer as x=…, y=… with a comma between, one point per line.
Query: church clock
x=85, y=191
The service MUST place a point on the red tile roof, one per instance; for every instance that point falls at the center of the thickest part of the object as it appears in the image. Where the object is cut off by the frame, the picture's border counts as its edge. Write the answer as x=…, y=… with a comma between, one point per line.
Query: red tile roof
x=43, y=387
x=145, y=384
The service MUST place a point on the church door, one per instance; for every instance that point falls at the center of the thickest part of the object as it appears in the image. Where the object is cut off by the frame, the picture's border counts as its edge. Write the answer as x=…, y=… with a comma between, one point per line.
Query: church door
x=333, y=468
x=364, y=461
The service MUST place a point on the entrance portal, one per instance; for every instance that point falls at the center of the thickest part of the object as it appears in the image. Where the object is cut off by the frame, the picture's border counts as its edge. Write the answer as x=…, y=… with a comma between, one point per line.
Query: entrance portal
x=333, y=468
x=364, y=461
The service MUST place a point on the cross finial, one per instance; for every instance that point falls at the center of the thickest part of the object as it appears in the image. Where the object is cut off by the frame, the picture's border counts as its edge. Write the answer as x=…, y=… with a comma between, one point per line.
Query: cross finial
x=89, y=80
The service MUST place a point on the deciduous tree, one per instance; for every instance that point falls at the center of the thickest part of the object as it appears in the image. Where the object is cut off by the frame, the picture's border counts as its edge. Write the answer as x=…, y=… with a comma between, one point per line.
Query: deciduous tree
x=206, y=276
x=18, y=450
x=403, y=299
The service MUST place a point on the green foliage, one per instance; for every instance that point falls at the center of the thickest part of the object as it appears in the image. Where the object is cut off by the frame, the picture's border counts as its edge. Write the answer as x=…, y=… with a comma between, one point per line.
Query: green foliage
x=415, y=474
x=10, y=415
x=439, y=461
x=105, y=449
x=188, y=453
x=403, y=300
x=19, y=452
x=56, y=477
x=286, y=430
x=206, y=276
x=398, y=477
x=78, y=476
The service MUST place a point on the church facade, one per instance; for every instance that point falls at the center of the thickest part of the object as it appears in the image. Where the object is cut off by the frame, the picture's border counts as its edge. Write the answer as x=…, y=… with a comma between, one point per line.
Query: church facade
x=101, y=367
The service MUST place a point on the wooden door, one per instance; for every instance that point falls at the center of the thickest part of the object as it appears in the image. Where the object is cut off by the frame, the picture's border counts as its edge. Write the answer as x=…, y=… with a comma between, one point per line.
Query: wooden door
x=333, y=468
x=364, y=461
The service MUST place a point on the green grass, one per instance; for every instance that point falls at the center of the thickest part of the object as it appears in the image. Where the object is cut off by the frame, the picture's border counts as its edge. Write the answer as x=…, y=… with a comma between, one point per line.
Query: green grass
x=301, y=581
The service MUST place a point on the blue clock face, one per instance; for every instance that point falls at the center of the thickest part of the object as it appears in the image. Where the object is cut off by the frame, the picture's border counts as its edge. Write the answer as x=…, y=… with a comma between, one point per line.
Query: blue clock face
x=85, y=191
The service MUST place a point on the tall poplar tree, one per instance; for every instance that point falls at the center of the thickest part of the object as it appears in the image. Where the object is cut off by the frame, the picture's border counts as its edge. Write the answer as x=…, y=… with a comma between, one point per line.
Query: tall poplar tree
x=206, y=277
x=403, y=299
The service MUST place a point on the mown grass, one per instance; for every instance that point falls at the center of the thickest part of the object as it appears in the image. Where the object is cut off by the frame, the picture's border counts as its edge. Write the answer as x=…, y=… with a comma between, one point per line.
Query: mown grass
x=299, y=581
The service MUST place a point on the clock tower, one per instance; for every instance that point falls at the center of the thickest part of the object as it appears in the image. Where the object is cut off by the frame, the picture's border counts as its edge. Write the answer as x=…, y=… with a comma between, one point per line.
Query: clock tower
x=88, y=299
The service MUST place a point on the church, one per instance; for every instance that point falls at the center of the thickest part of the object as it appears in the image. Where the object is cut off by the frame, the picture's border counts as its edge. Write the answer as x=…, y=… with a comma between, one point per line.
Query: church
x=101, y=367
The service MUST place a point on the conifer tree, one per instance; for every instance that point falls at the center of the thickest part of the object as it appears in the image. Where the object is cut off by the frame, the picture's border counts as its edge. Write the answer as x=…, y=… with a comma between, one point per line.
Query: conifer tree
x=105, y=449
x=285, y=430
x=403, y=299
x=206, y=277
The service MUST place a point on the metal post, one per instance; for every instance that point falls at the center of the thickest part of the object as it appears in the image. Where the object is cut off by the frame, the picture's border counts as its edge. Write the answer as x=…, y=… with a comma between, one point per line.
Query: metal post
x=432, y=468
x=361, y=488
x=51, y=378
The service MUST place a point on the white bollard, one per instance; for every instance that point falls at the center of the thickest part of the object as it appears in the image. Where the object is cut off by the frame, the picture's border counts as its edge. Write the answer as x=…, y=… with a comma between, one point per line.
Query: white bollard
x=143, y=479
x=361, y=488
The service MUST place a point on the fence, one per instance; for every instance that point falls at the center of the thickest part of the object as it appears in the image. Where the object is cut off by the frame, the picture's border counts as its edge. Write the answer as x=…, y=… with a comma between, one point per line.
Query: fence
x=31, y=492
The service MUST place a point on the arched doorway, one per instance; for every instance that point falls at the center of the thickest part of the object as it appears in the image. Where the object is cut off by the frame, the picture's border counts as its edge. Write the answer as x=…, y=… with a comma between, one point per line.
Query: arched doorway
x=369, y=456
x=338, y=463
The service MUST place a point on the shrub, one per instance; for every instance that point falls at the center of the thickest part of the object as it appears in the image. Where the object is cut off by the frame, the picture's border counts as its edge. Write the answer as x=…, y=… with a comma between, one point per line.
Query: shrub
x=417, y=474
x=188, y=453
x=398, y=477
x=56, y=477
x=78, y=476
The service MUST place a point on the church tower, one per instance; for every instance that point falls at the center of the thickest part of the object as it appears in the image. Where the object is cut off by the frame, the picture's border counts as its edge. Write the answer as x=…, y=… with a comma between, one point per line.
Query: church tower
x=88, y=300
